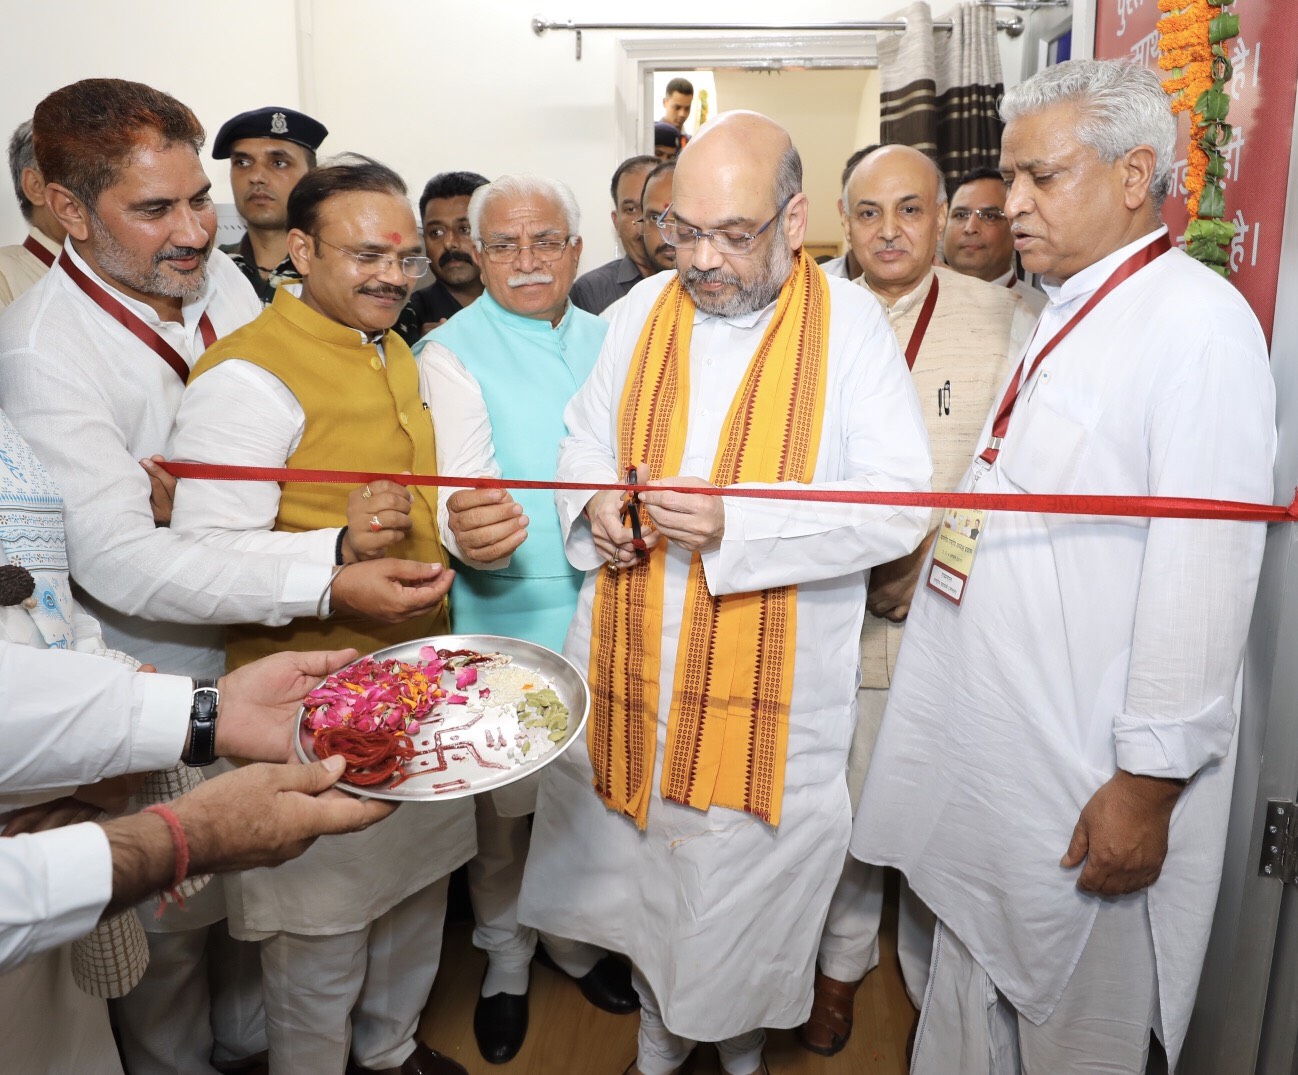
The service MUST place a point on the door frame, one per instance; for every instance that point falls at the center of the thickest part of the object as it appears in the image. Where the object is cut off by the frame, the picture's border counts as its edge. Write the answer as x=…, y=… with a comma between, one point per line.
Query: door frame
x=639, y=57
x=1246, y=1012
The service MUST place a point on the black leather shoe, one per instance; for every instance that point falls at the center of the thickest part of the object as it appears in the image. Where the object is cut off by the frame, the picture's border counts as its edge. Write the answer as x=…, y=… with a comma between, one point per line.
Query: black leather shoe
x=607, y=985
x=423, y=1061
x=500, y=1025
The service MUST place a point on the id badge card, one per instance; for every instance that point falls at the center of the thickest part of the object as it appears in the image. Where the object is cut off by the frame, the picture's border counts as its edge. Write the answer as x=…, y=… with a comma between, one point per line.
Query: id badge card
x=954, y=550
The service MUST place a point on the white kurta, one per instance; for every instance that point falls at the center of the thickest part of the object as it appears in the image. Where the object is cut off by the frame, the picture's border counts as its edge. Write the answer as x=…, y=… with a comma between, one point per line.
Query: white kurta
x=68, y=719
x=1035, y=300
x=102, y=721
x=1087, y=644
x=92, y=400
x=720, y=912
x=240, y=414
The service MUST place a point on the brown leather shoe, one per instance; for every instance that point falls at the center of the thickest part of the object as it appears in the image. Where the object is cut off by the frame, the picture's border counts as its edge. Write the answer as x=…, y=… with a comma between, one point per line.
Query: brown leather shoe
x=423, y=1061
x=829, y=1025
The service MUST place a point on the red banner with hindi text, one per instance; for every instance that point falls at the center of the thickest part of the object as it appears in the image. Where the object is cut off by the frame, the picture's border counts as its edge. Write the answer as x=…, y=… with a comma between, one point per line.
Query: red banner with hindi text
x=1265, y=60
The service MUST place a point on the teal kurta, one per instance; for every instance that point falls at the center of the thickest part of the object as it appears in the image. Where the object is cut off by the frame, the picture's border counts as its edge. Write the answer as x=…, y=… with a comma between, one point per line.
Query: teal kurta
x=528, y=370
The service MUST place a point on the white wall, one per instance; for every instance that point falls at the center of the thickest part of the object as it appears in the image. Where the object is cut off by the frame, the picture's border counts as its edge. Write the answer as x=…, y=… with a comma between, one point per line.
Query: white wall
x=219, y=67
x=424, y=85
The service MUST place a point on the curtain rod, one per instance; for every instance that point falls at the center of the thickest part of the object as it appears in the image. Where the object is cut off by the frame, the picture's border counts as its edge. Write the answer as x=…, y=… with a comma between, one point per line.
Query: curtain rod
x=1012, y=26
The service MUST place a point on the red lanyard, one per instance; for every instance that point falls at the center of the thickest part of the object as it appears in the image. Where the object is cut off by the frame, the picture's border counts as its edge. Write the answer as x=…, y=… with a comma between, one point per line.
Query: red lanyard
x=921, y=326
x=143, y=332
x=1011, y=281
x=34, y=247
x=1123, y=272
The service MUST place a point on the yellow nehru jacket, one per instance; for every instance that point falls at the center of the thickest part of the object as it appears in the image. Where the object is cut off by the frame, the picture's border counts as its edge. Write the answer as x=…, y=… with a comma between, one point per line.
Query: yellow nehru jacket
x=362, y=413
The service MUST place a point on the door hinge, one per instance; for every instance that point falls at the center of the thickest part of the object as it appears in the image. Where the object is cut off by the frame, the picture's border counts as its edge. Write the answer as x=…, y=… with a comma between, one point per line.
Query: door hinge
x=1280, y=841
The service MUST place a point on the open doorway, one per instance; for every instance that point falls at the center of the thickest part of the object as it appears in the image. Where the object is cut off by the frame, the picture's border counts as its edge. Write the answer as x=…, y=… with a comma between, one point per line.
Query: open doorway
x=830, y=112
x=823, y=88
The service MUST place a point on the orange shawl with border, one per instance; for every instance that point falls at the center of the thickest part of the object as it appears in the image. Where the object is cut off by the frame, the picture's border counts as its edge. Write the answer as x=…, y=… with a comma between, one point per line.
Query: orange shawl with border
x=728, y=724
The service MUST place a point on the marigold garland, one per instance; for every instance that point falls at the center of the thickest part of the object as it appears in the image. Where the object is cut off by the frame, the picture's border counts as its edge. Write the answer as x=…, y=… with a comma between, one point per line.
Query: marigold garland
x=1192, y=45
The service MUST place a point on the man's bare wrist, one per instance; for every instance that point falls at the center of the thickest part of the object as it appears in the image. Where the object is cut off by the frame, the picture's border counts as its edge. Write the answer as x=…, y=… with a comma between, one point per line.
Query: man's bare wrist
x=1156, y=786
x=143, y=857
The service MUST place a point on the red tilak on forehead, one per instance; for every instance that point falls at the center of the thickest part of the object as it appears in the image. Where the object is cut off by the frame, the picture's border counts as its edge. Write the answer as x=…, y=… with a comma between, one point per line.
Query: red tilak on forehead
x=395, y=236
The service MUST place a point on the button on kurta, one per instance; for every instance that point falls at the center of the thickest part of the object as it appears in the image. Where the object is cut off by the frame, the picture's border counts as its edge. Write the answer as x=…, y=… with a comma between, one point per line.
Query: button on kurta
x=404, y=420
x=376, y=362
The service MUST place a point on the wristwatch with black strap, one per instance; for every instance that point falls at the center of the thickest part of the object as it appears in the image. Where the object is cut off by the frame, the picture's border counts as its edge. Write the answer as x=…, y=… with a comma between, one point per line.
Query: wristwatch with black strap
x=202, y=723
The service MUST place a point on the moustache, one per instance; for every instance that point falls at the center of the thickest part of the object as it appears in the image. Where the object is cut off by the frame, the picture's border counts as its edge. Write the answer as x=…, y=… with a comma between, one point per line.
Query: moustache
x=385, y=291
x=522, y=279
x=179, y=253
x=453, y=255
x=711, y=276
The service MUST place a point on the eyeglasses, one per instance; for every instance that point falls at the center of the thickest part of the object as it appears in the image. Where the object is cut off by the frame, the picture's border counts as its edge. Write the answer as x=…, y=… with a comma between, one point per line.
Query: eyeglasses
x=653, y=219
x=546, y=250
x=682, y=236
x=372, y=263
x=987, y=216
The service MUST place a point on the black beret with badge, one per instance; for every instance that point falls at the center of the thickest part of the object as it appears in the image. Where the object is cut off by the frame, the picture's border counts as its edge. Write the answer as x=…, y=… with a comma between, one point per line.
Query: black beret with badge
x=283, y=123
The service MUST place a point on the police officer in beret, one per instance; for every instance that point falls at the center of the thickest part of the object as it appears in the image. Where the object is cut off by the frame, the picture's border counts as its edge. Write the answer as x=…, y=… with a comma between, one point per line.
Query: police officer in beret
x=667, y=141
x=269, y=150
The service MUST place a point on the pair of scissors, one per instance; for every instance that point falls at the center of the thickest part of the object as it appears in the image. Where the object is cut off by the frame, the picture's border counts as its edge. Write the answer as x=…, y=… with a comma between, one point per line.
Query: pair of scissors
x=631, y=515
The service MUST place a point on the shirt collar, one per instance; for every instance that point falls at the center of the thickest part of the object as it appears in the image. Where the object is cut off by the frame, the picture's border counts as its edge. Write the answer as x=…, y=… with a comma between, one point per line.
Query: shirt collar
x=525, y=324
x=628, y=272
x=904, y=304
x=1004, y=279
x=298, y=313
x=190, y=311
x=748, y=320
x=1086, y=282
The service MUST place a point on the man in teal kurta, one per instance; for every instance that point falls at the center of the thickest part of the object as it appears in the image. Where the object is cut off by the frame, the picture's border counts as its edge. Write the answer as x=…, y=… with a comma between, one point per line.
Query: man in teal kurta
x=524, y=370
x=503, y=369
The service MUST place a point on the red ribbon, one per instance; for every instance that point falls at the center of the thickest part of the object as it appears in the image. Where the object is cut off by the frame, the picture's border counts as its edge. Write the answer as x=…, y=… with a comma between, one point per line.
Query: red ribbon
x=1137, y=507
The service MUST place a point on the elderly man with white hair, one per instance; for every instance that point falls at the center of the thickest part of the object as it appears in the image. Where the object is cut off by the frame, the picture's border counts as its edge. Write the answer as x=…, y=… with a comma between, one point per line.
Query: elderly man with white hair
x=509, y=363
x=1054, y=770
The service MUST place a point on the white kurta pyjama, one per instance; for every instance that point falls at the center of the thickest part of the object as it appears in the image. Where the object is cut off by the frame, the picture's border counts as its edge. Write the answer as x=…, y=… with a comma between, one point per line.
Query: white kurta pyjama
x=720, y=912
x=1087, y=644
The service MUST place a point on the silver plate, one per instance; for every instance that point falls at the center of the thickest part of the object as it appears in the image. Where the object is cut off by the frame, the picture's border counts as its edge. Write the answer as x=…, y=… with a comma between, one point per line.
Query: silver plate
x=568, y=683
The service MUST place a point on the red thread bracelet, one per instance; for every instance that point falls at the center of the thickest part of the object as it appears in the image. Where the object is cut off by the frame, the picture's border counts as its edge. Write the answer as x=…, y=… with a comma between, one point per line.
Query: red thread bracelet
x=180, y=845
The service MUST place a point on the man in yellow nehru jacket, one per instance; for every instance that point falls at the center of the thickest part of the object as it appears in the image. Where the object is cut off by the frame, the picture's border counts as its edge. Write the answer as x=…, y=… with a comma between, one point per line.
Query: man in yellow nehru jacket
x=320, y=381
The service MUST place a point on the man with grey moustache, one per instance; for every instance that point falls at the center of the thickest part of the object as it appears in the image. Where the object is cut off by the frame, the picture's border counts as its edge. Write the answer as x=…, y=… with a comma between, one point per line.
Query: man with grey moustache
x=500, y=373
